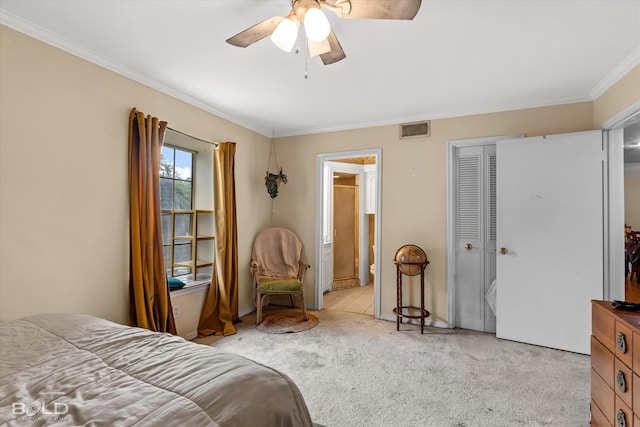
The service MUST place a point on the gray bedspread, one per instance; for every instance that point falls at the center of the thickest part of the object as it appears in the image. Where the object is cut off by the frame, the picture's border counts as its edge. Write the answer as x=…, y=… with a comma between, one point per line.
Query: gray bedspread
x=61, y=369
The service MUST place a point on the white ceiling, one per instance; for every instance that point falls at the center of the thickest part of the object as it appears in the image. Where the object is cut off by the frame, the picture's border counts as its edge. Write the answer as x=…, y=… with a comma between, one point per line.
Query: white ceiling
x=455, y=58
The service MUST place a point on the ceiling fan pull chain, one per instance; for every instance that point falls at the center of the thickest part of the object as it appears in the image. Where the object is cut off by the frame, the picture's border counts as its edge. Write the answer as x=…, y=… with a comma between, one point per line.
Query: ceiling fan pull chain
x=306, y=55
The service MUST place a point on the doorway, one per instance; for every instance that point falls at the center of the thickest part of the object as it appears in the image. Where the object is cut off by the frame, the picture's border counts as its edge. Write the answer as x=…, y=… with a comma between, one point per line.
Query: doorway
x=631, y=183
x=346, y=230
x=615, y=127
x=364, y=166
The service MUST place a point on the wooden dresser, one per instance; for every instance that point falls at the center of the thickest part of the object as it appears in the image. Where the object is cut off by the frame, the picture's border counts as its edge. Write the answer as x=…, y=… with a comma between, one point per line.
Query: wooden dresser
x=615, y=366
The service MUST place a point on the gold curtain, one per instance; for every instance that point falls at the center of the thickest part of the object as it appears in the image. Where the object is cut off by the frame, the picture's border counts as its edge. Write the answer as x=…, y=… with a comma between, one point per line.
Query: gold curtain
x=220, y=309
x=149, y=302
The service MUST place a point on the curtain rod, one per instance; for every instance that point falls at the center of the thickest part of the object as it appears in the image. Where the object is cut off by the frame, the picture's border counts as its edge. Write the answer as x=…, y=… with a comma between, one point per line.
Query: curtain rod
x=184, y=134
x=189, y=136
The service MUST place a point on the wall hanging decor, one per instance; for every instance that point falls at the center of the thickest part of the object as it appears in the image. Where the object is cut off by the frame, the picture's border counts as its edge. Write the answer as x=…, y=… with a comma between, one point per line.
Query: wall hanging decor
x=273, y=180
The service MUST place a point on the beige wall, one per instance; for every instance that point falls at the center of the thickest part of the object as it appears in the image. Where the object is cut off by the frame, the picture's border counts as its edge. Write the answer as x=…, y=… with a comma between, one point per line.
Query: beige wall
x=63, y=180
x=621, y=95
x=63, y=185
x=413, y=185
x=632, y=201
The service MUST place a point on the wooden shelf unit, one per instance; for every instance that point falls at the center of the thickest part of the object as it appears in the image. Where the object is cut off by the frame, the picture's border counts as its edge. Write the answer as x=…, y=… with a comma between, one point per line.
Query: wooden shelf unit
x=202, y=240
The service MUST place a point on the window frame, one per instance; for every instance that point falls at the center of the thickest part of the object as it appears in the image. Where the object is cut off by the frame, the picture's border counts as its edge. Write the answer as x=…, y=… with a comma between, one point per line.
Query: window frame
x=173, y=212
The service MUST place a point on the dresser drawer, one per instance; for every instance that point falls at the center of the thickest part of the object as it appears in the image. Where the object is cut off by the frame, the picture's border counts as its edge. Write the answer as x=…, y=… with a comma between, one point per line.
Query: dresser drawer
x=602, y=361
x=623, y=383
x=636, y=394
x=624, y=342
x=597, y=417
x=636, y=352
x=603, y=396
x=615, y=366
x=603, y=326
x=623, y=412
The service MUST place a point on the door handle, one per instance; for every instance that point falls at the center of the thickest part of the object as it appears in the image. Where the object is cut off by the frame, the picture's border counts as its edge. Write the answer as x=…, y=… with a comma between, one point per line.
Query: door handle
x=468, y=246
x=503, y=251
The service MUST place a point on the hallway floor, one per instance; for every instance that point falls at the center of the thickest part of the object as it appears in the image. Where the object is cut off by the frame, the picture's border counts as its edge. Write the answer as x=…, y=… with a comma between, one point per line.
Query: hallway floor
x=632, y=289
x=354, y=300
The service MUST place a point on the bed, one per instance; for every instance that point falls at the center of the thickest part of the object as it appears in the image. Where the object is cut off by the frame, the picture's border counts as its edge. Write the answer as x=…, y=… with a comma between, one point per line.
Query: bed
x=76, y=369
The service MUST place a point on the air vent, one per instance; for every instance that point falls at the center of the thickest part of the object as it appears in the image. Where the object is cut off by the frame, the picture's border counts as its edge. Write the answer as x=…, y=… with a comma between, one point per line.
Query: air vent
x=412, y=130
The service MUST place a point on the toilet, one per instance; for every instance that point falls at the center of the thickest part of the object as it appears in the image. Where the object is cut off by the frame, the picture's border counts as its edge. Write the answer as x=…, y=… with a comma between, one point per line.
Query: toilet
x=372, y=266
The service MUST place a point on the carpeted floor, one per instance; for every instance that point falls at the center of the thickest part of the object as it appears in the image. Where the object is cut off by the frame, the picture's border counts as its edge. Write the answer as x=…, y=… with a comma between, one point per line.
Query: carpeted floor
x=354, y=370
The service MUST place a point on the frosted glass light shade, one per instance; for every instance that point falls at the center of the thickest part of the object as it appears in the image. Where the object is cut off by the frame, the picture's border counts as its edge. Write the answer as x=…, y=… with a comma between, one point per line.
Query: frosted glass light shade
x=285, y=34
x=316, y=25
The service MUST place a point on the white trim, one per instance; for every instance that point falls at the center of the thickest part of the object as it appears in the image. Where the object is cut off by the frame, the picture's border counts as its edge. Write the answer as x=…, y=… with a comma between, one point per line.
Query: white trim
x=623, y=118
x=427, y=322
x=452, y=145
x=615, y=178
x=250, y=310
x=395, y=120
x=191, y=335
x=17, y=23
x=616, y=74
x=320, y=159
x=189, y=289
x=363, y=238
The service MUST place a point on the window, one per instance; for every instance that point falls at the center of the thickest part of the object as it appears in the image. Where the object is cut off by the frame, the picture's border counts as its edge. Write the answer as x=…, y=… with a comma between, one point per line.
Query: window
x=176, y=204
x=186, y=203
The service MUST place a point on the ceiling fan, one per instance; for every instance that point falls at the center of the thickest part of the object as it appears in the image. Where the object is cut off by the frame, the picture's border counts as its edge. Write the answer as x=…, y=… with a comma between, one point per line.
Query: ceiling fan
x=321, y=39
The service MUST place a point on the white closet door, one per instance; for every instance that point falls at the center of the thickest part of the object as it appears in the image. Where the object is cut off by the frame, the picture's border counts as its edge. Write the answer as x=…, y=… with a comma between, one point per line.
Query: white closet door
x=550, y=221
x=475, y=259
x=490, y=228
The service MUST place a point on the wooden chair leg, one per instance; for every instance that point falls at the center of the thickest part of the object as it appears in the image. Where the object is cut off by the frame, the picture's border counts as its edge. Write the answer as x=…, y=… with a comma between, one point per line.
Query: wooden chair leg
x=292, y=303
x=258, y=308
x=304, y=308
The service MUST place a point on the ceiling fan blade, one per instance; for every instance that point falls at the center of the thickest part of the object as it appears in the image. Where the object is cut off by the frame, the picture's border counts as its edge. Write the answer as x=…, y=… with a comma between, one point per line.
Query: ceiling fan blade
x=255, y=33
x=336, y=53
x=378, y=9
x=318, y=48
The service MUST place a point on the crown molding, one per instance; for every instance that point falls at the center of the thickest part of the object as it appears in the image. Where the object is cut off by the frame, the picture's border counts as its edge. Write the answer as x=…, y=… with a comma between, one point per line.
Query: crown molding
x=616, y=74
x=420, y=117
x=21, y=25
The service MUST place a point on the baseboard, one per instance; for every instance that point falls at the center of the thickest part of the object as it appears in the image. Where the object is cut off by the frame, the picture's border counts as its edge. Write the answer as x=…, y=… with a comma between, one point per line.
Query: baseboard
x=247, y=311
x=191, y=335
x=435, y=324
x=388, y=317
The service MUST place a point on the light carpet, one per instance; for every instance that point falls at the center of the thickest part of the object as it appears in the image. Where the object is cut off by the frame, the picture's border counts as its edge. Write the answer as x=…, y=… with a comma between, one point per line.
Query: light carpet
x=354, y=370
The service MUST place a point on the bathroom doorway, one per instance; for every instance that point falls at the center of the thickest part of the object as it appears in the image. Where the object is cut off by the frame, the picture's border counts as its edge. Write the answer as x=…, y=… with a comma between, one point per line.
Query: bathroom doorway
x=347, y=230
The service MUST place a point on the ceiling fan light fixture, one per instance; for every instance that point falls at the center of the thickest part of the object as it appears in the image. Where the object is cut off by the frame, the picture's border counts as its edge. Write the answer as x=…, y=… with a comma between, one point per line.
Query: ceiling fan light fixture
x=316, y=25
x=286, y=33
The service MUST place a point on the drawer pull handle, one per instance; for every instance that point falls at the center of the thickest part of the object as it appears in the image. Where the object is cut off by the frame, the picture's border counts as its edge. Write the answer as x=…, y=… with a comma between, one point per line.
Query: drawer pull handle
x=621, y=419
x=621, y=343
x=622, y=384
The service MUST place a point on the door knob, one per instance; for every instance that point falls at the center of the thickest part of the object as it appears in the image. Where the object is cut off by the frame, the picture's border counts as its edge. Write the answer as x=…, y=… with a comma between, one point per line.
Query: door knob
x=468, y=246
x=503, y=251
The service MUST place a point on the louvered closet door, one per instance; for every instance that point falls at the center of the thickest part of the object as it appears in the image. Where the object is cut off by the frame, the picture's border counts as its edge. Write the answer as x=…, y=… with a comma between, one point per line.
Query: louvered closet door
x=475, y=236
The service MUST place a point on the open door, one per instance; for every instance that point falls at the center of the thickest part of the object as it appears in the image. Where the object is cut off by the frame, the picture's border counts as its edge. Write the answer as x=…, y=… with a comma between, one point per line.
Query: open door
x=550, y=238
x=346, y=227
